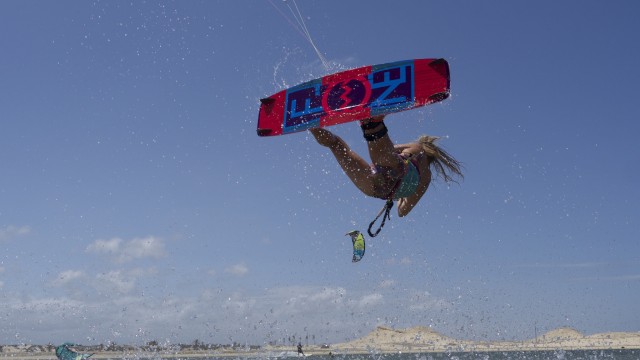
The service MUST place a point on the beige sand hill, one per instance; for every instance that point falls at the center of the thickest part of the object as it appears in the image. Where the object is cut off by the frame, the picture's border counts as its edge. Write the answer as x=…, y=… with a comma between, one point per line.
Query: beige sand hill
x=408, y=340
x=423, y=339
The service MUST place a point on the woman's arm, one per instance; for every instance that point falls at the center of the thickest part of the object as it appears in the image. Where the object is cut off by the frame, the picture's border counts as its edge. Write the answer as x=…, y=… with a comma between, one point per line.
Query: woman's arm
x=412, y=148
x=405, y=205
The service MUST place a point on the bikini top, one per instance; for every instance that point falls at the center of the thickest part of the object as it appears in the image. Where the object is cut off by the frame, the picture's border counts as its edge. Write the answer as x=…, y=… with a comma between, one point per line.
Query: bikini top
x=408, y=184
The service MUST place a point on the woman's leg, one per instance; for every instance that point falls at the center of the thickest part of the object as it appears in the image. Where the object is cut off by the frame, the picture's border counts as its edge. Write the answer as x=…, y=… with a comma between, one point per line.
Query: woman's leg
x=356, y=168
x=380, y=146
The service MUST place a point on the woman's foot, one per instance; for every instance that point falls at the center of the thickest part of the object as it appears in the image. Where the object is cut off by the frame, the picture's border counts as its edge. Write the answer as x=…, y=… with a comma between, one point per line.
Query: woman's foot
x=373, y=119
x=373, y=128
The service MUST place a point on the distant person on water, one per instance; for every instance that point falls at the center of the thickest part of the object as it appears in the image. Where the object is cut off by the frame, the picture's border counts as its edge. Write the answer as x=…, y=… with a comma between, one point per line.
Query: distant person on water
x=300, y=352
x=399, y=172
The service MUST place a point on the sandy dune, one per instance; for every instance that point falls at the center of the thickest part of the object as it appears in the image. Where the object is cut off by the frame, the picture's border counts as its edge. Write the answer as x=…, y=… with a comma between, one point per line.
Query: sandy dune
x=423, y=339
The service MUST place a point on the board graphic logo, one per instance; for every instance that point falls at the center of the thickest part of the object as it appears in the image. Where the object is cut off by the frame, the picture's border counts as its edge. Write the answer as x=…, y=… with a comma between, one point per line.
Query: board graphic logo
x=347, y=94
x=390, y=87
x=304, y=106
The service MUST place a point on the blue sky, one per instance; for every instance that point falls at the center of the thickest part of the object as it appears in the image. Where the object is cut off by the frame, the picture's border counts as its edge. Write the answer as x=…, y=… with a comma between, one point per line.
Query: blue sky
x=137, y=202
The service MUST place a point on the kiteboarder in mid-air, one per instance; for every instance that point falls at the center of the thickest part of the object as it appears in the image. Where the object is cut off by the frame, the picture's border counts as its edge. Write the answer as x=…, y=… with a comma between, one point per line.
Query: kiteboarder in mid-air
x=399, y=172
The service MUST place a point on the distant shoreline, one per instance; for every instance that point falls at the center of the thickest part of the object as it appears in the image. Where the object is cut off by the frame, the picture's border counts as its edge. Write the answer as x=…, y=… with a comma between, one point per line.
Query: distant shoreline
x=309, y=352
x=382, y=340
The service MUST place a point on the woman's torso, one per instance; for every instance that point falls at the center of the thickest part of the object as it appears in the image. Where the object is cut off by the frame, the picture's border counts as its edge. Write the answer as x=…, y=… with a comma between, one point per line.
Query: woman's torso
x=404, y=180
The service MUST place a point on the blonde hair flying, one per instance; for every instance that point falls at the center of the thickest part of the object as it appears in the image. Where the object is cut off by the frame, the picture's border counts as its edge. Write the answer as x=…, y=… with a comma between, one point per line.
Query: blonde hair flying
x=445, y=164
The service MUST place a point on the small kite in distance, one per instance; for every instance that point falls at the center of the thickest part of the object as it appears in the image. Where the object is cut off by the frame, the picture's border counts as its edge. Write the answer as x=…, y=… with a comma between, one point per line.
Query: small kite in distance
x=358, y=245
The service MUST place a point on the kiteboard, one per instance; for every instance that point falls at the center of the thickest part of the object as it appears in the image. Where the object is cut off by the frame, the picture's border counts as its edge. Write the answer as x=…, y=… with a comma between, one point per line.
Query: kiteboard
x=353, y=95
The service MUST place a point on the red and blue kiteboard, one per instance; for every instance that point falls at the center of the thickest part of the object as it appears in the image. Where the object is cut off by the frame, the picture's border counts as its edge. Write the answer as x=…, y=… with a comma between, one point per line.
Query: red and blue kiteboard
x=354, y=95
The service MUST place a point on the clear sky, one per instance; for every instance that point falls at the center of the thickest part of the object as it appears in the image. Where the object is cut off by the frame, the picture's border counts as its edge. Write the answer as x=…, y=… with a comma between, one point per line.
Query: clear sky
x=137, y=202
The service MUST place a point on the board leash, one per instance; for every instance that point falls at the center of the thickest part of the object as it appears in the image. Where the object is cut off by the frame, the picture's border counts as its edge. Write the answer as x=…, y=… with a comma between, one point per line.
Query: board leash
x=386, y=209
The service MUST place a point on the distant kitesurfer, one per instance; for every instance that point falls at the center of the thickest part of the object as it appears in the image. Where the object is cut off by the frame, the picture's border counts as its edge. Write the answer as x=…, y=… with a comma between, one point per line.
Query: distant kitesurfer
x=300, y=352
x=67, y=352
x=399, y=172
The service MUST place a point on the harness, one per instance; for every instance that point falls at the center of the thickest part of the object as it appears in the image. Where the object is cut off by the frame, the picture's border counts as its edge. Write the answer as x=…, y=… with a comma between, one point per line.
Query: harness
x=386, y=209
